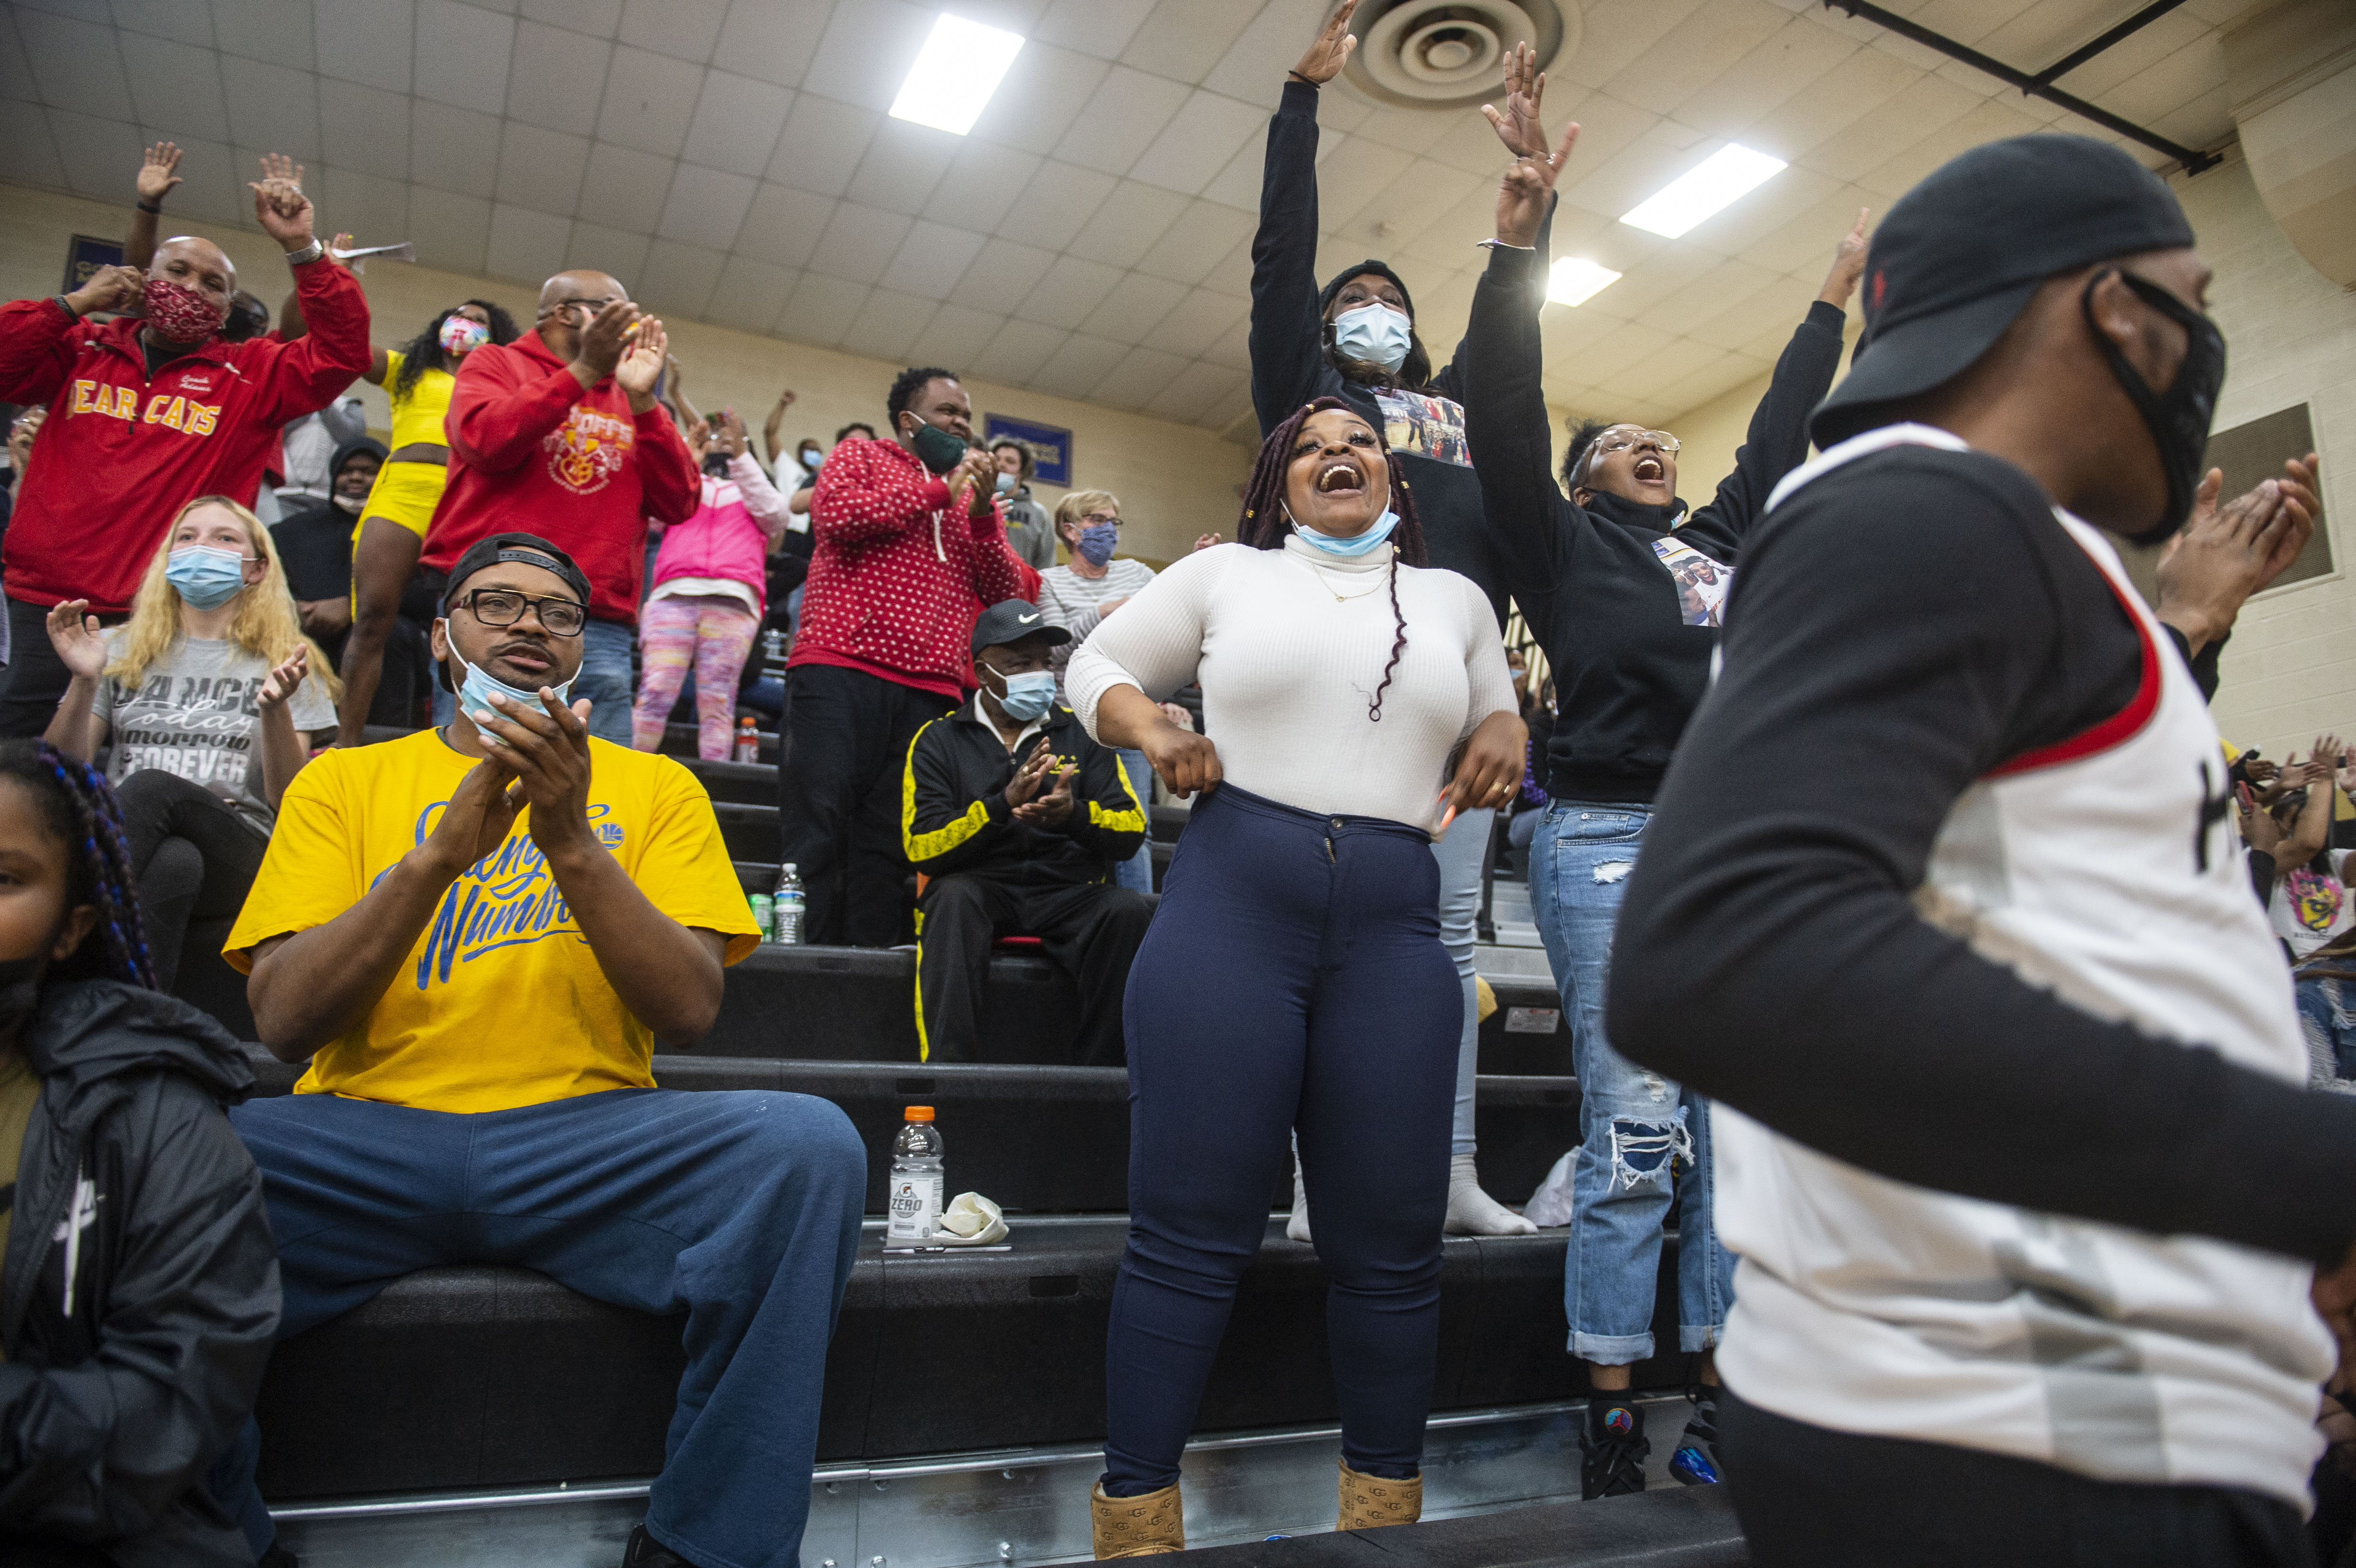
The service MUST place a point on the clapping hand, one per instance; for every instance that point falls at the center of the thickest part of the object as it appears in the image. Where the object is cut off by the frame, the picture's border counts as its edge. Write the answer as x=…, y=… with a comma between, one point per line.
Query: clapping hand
x=974, y=480
x=641, y=363
x=74, y=634
x=604, y=338
x=157, y=175
x=1054, y=807
x=1030, y=778
x=283, y=681
x=1848, y=264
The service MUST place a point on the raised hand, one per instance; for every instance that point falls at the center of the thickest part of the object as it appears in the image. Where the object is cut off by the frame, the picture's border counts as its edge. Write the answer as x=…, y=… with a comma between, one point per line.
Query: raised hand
x=2225, y=553
x=1848, y=264
x=279, y=203
x=156, y=174
x=603, y=339
x=1327, y=56
x=281, y=682
x=1518, y=126
x=641, y=363
x=729, y=432
x=1529, y=181
x=109, y=288
x=279, y=166
x=74, y=634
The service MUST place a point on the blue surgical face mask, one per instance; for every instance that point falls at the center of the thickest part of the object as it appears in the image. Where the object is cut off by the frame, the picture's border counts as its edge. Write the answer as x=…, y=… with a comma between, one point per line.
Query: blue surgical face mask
x=474, y=695
x=1372, y=334
x=1358, y=544
x=1008, y=483
x=1096, y=543
x=206, y=576
x=1027, y=694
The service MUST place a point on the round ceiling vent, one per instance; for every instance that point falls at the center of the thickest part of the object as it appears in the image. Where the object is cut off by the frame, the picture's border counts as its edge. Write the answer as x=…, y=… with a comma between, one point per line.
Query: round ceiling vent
x=1445, y=54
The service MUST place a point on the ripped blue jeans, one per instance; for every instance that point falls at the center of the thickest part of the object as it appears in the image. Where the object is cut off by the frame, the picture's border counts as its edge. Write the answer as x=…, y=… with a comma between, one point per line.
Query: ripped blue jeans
x=1643, y=1138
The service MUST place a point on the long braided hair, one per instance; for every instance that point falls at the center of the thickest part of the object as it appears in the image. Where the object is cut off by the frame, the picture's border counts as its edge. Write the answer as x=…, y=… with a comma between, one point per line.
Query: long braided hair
x=1266, y=522
x=79, y=810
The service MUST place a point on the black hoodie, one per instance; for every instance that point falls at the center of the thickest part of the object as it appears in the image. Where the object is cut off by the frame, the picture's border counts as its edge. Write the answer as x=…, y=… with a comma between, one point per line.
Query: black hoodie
x=136, y=1334
x=314, y=538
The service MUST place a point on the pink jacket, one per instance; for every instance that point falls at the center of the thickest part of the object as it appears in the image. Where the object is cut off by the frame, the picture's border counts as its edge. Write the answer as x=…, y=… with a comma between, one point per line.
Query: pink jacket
x=730, y=533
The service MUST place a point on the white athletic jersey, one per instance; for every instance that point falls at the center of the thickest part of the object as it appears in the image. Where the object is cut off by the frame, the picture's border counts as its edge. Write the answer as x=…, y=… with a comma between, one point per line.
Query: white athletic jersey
x=2102, y=870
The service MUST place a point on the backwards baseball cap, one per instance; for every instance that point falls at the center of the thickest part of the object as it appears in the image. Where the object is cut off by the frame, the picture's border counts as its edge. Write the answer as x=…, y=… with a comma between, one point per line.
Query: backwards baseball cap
x=1011, y=621
x=530, y=550
x=1956, y=260
x=1379, y=268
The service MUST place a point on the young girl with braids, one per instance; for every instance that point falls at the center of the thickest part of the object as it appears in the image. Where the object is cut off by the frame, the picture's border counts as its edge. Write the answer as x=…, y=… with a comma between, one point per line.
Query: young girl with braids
x=1293, y=979
x=134, y=1254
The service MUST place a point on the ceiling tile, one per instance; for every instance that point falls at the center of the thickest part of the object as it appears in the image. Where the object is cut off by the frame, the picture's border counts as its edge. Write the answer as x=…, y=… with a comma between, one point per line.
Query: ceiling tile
x=1615, y=184
x=365, y=128
x=1000, y=276
x=372, y=210
x=772, y=39
x=859, y=242
x=1100, y=28
x=1123, y=116
x=1017, y=16
x=175, y=19
x=1616, y=33
x=1068, y=291
x=820, y=309
x=823, y=141
x=955, y=336
x=451, y=233
x=174, y=86
x=1059, y=199
x=1990, y=120
x=1079, y=364
x=784, y=225
x=903, y=163
x=624, y=187
x=886, y=324
x=1927, y=104
x=706, y=207
x=1409, y=130
x=99, y=155
x=596, y=249
x=1233, y=348
x=736, y=123
x=1201, y=320
x=458, y=149
x=750, y=293
x=1044, y=90
x=276, y=31
x=1695, y=52
x=866, y=51
x=983, y=181
x=1861, y=82
x=598, y=19
x=1197, y=243
x=555, y=83
x=1016, y=355
x=213, y=182
x=649, y=99
x=1206, y=131
x=1721, y=374
x=26, y=146
x=1780, y=67
x=685, y=29
x=1136, y=377
x=78, y=68
x=16, y=71
x=1351, y=172
x=1189, y=394
x=1184, y=41
x=526, y=245
x=541, y=169
x=1134, y=307
x=1415, y=200
x=1233, y=409
x=1725, y=284
x=931, y=259
x=1125, y=227
x=368, y=41
x=678, y=279
x=272, y=106
x=462, y=56
x=1253, y=68
x=1238, y=184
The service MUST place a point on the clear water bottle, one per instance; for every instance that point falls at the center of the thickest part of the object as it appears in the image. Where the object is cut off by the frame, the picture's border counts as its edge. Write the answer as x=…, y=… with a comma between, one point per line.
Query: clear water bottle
x=785, y=905
x=919, y=1178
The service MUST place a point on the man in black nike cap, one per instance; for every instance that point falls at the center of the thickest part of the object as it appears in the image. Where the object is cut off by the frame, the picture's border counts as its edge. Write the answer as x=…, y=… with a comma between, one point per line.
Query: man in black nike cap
x=1940, y=904
x=1016, y=818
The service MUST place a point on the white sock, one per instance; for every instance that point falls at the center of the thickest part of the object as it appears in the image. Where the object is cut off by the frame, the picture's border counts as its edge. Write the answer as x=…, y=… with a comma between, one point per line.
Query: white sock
x=1471, y=1211
x=1298, y=1226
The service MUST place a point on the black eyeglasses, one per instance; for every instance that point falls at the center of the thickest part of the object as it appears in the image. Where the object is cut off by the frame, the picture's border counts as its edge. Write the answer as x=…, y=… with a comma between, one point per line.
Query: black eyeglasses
x=504, y=607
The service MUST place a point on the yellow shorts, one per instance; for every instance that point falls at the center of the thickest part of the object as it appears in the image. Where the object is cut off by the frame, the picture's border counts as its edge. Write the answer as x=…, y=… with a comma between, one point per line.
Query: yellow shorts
x=405, y=492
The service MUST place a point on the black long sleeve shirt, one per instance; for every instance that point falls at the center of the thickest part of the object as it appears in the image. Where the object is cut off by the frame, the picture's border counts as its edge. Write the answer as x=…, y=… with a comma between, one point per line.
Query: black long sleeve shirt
x=1901, y=626
x=1629, y=662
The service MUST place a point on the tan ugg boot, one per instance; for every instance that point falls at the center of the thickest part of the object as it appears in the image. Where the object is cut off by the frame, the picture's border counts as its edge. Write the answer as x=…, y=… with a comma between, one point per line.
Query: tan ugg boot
x=1136, y=1527
x=1369, y=1502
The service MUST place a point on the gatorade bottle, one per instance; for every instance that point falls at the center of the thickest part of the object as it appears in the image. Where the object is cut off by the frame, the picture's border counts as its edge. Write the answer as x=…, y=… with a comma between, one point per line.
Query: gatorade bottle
x=748, y=742
x=761, y=917
x=918, y=1179
x=785, y=905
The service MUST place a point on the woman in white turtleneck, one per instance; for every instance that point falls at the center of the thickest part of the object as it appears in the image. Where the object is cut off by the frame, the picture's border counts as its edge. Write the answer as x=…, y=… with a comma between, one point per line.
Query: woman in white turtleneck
x=1293, y=978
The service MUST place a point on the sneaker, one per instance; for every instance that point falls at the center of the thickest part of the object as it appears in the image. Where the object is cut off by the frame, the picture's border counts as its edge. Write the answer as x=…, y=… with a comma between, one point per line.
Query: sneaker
x=1696, y=1461
x=645, y=1552
x=1612, y=1449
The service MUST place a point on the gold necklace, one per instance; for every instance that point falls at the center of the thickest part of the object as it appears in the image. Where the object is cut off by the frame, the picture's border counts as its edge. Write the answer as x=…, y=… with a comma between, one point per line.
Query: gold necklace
x=1322, y=581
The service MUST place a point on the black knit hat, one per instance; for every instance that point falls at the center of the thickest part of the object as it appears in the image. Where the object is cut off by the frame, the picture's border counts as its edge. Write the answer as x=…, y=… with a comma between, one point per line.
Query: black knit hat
x=1379, y=268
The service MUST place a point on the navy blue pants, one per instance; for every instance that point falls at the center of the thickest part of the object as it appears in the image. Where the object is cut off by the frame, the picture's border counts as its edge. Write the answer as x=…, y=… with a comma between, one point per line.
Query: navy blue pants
x=1292, y=980
x=742, y=1209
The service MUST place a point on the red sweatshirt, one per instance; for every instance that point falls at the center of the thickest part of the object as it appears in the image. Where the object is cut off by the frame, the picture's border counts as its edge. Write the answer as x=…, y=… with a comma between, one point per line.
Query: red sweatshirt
x=530, y=451
x=898, y=576
x=120, y=456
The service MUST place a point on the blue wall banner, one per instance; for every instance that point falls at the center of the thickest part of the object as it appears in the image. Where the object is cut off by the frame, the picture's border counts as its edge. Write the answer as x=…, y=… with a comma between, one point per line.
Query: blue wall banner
x=86, y=254
x=1051, y=445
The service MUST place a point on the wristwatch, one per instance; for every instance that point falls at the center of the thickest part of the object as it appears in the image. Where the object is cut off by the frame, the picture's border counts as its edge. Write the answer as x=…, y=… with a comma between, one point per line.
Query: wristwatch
x=310, y=252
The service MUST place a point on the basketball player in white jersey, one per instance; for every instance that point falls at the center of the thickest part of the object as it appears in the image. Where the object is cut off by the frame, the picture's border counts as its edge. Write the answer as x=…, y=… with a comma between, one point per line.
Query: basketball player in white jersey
x=1941, y=906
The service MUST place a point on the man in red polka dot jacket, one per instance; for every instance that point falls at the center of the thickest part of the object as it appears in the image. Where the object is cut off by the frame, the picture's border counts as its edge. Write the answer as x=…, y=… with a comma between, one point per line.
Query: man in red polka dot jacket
x=910, y=545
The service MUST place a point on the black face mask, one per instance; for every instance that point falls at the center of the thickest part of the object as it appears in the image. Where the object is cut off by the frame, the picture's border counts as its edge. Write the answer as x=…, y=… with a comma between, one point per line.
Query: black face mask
x=715, y=462
x=2177, y=417
x=20, y=988
x=935, y=448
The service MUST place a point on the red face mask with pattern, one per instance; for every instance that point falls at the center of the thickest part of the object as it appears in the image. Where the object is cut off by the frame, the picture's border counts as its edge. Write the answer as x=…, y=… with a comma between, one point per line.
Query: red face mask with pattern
x=179, y=313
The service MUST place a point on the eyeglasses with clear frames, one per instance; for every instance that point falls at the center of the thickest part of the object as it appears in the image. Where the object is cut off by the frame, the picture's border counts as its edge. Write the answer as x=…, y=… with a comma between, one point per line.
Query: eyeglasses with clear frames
x=1621, y=440
x=503, y=607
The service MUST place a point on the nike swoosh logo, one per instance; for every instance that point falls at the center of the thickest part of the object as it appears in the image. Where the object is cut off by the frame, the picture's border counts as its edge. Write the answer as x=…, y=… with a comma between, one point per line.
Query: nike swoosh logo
x=1024, y=620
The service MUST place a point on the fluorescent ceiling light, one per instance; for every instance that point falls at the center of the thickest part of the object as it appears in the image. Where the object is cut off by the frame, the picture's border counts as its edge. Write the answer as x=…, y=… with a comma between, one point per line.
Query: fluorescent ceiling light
x=961, y=66
x=1724, y=176
x=1574, y=281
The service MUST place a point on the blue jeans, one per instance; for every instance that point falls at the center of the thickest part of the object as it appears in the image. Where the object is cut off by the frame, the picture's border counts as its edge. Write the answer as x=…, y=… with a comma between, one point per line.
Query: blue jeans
x=1460, y=853
x=1643, y=1138
x=2327, y=1013
x=1136, y=873
x=741, y=1208
x=605, y=679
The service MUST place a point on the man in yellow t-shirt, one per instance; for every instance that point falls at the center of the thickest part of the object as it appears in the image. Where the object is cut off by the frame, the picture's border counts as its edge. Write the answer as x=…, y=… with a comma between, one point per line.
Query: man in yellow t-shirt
x=477, y=935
